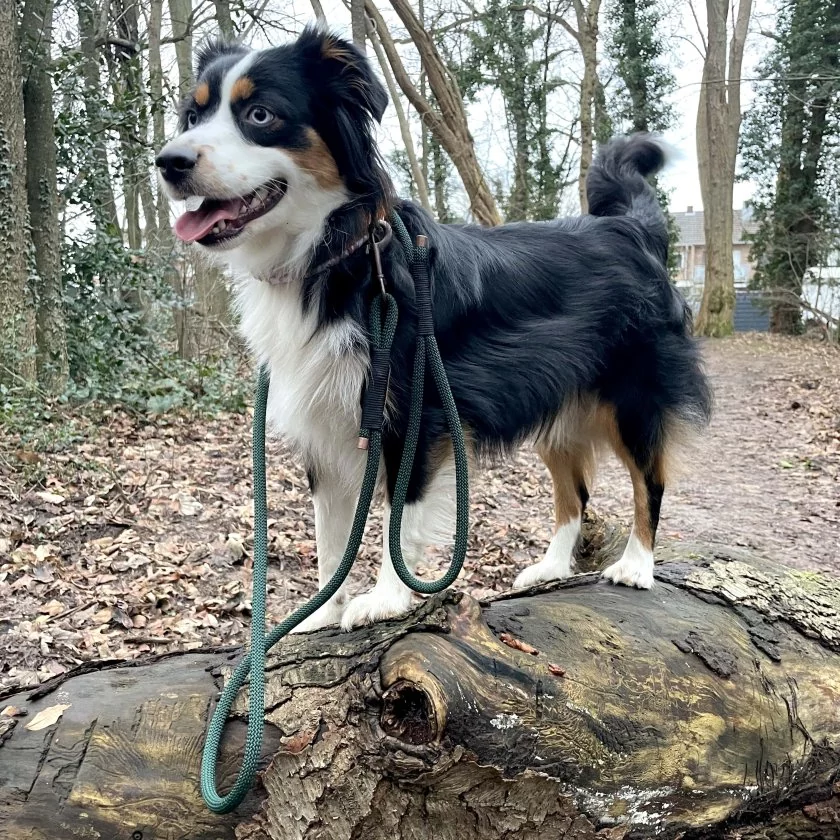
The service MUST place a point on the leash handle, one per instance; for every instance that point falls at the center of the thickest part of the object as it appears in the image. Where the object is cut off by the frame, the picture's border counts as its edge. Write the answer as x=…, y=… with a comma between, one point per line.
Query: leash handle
x=382, y=329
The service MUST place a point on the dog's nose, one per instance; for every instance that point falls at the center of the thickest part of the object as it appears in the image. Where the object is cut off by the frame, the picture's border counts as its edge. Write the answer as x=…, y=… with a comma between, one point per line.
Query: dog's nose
x=175, y=165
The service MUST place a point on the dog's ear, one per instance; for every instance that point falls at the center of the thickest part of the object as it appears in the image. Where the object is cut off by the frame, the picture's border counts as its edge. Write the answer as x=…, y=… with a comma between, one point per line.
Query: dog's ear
x=345, y=71
x=215, y=48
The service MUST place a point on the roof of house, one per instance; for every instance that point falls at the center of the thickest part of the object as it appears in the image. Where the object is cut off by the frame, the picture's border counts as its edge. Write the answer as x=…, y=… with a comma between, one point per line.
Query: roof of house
x=690, y=224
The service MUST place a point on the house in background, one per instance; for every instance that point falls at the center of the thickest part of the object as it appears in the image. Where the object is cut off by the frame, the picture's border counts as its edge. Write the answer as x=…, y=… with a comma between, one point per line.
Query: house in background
x=750, y=315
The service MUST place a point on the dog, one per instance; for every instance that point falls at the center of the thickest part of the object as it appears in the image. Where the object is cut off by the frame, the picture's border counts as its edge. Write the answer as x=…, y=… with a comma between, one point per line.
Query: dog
x=566, y=334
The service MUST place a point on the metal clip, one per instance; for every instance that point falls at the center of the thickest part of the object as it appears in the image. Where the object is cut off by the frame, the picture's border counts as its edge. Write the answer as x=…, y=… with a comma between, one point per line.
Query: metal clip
x=376, y=244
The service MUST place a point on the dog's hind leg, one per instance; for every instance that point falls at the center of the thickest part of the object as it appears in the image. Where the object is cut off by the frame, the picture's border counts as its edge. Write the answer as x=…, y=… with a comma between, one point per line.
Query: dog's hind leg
x=647, y=472
x=569, y=470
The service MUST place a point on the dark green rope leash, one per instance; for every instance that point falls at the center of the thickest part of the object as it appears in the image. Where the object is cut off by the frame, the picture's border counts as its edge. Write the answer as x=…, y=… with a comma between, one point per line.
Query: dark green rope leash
x=382, y=330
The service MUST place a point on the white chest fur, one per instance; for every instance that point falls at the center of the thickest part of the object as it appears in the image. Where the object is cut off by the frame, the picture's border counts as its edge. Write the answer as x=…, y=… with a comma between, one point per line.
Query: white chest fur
x=316, y=377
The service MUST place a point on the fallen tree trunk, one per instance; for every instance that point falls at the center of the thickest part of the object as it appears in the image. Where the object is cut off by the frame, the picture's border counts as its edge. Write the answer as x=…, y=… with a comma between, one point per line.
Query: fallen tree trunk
x=706, y=708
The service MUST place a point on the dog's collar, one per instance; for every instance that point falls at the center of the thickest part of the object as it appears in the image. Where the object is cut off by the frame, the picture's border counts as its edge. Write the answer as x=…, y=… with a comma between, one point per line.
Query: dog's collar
x=378, y=237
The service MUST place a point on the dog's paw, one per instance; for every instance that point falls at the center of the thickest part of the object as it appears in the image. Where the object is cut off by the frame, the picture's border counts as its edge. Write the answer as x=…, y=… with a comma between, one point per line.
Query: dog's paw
x=373, y=606
x=631, y=572
x=327, y=616
x=543, y=572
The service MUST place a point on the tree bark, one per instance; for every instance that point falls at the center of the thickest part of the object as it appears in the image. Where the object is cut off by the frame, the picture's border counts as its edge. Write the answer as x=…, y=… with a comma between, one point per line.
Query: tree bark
x=587, y=37
x=703, y=709
x=447, y=122
x=42, y=193
x=17, y=322
x=358, y=24
x=718, y=128
x=405, y=129
x=104, y=204
x=224, y=19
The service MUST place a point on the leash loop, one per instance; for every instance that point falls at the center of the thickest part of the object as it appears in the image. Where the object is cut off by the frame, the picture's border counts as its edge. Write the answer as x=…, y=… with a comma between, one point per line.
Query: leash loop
x=382, y=328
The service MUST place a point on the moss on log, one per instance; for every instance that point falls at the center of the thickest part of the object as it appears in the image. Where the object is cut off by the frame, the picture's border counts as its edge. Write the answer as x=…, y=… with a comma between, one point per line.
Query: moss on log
x=708, y=707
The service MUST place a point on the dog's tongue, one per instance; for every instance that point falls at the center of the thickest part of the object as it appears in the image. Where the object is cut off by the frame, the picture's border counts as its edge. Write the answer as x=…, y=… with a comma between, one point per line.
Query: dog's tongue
x=196, y=224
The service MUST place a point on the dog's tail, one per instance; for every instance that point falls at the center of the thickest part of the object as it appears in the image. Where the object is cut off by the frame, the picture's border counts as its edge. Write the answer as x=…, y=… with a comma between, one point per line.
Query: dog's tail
x=616, y=185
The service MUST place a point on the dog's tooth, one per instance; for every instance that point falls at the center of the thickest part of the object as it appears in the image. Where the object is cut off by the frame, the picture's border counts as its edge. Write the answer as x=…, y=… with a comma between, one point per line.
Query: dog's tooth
x=215, y=228
x=255, y=202
x=194, y=202
x=222, y=225
x=261, y=193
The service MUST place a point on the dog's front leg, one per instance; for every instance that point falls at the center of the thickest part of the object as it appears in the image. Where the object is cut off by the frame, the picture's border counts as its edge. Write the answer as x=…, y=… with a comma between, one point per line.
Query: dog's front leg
x=390, y=597
x=334, y=509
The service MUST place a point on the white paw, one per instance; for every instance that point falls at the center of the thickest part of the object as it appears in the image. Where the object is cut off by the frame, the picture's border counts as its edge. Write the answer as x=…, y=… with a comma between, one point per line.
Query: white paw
x=327, y=616
x=631, y=572
x=542, y=572
x=375, y=605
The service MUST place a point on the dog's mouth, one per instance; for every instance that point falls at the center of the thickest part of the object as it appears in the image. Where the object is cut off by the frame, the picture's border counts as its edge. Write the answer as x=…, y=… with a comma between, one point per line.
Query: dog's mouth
x=218, y=220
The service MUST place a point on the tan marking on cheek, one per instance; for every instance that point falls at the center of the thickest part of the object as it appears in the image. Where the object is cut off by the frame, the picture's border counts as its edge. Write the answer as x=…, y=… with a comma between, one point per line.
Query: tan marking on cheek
x=317, y=161
x=243, y=88
x=202, y=94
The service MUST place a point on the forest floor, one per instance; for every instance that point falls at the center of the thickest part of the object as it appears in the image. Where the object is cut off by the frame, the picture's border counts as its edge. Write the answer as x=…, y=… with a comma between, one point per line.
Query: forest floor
x=123, y=536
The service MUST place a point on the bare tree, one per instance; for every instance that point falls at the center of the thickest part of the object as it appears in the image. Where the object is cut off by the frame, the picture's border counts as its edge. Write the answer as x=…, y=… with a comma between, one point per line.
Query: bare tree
x=17, y=324
x=42, y=192
x=586, y=37
x=357, y=23
x=448, y=121
x=718, y=127
x=405, y=130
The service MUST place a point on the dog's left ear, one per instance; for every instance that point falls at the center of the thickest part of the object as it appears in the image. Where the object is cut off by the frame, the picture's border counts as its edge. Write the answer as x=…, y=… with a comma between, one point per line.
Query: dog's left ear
x=346, y=71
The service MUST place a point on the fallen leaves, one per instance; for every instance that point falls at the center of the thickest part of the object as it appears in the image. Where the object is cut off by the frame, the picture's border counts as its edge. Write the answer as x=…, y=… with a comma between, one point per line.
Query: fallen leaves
x=131, y=539
x=518, y=644
x=47, y=717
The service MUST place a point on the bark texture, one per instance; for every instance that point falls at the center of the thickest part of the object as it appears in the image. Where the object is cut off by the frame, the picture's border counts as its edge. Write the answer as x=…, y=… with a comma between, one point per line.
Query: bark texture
x=17, y=322
x=448, y=121
x=718, y=129
x=706, y=708
x=42, y=193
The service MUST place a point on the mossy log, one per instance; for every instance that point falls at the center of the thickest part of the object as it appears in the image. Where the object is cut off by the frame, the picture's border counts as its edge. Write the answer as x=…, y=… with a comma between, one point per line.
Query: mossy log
x=708, y=707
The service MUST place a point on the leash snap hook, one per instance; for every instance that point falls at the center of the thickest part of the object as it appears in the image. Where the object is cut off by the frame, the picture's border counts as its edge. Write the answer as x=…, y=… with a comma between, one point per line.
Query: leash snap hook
x=382, y=228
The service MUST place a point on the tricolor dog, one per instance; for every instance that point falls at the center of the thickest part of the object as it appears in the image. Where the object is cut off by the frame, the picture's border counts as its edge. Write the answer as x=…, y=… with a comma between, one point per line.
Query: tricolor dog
x=565, y=334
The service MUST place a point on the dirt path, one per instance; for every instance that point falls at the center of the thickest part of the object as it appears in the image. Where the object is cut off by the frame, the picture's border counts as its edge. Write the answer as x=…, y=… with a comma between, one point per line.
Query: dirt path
x=120, y=539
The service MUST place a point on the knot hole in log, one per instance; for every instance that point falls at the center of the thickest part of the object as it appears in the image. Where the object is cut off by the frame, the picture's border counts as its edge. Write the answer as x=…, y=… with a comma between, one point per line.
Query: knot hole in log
x=408, y=714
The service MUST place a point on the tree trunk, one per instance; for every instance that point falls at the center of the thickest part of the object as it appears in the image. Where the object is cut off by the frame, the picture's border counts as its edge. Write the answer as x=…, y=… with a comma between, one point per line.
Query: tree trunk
x=405, y=129
x=224, y=20
x=706, y=708
x=17, y=322
x=449, y=123
x=358, y=23
x=587, y=37
x=104, y=204
x=180, y=12
x=718, y=127
x=42, y=193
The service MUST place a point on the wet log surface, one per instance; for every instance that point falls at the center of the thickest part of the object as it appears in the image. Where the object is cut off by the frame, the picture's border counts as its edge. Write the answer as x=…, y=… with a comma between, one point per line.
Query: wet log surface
x=706, y=708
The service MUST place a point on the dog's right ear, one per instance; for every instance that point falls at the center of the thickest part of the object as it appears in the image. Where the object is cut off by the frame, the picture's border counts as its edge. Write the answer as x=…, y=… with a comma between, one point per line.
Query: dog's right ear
x=215, y=48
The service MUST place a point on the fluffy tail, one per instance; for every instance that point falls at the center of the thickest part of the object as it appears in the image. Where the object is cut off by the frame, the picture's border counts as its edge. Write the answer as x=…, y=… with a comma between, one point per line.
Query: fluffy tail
x=616, y=185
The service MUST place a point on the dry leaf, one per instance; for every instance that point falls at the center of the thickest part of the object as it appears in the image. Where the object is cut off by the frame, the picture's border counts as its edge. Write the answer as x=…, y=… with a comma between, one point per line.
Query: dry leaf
x=518, y=644
x=50, y=498
x=187, y=505
x=557, y=670
x=13, y=711
x=47, y=717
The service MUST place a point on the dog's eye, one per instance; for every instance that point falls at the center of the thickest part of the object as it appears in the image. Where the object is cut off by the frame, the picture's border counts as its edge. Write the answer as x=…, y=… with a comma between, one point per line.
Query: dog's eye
x=192, y=118
x=259, y=115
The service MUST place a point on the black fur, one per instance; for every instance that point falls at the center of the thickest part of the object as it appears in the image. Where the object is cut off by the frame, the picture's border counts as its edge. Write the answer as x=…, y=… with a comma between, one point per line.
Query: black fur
x=528, y=317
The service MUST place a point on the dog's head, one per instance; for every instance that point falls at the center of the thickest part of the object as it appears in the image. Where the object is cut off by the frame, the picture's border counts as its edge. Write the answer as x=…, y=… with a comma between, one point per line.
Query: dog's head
x=273, y=141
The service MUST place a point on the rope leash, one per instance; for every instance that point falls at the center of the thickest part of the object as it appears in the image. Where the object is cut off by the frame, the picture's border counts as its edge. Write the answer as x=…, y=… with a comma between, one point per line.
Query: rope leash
x=382, y=327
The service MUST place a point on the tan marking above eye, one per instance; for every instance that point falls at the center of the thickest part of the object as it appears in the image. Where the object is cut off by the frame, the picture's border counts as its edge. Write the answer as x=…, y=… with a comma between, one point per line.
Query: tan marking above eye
x=202, y=94
x=243, y=88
